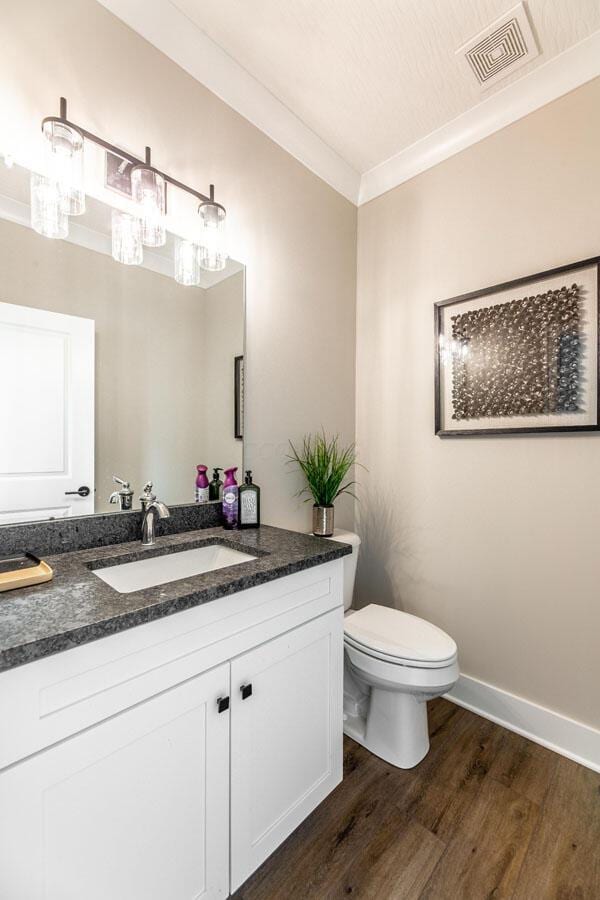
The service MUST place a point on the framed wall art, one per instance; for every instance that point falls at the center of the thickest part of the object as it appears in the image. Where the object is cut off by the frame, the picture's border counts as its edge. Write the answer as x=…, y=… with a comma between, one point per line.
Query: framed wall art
x=520, y=357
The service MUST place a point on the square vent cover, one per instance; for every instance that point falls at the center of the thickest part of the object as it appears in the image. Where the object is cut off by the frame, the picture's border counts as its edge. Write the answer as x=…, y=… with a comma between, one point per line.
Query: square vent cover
x=501, y=48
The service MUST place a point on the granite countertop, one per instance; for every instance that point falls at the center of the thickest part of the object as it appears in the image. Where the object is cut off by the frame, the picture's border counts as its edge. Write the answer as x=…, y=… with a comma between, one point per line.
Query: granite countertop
x=77, y=606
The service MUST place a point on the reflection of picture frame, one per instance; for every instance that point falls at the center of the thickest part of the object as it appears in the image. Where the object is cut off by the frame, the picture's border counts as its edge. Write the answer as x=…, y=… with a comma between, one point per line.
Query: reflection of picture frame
x=238, y=400
x=520, y=357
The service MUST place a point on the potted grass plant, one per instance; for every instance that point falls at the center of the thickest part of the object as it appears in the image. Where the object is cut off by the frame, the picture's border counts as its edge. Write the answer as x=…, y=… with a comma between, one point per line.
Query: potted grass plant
x=325, y=466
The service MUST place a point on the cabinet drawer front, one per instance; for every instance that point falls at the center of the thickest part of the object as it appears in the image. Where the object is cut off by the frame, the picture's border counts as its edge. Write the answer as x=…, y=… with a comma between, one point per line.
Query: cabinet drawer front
x=134, y=807
x=45, y=701
x=286, y=737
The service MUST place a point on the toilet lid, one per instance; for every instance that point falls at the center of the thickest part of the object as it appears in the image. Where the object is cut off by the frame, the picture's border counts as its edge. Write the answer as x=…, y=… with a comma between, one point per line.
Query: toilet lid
x=400, y=635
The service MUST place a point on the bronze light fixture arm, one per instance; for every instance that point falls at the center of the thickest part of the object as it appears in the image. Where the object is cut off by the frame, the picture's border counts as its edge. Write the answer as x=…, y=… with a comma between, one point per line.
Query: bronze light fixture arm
x=95, y=139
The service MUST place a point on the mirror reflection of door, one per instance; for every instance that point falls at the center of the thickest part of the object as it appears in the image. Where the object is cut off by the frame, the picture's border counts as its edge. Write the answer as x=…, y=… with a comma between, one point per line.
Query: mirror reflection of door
x=46, y=414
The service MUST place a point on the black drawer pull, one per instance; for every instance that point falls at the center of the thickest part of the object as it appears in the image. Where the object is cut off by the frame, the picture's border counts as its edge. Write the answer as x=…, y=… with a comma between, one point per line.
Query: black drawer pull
x=246, y=691
x=223, y=704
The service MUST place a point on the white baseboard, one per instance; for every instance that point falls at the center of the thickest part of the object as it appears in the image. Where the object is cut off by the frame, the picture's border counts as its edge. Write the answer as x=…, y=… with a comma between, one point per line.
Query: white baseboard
x=572, y=739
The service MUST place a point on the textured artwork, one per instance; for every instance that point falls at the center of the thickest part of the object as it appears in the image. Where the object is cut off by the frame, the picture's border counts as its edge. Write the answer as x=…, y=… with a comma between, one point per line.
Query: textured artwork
x=517, y=358
x=521, y=356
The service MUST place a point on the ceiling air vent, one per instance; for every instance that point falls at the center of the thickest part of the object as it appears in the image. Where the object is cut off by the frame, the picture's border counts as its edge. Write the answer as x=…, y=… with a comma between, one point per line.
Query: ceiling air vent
x=501, y=48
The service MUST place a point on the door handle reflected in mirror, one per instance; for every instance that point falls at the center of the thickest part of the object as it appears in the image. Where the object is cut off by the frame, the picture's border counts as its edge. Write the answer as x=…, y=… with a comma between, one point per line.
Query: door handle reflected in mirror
x=83, y=491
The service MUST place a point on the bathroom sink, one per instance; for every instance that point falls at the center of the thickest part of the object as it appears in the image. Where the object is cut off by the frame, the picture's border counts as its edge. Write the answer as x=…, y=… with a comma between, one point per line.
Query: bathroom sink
x=155, y=570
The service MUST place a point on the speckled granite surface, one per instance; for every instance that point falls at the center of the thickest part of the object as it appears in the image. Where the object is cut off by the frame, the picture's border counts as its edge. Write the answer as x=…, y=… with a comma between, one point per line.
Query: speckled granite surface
x=81, y=532
x=77, y=606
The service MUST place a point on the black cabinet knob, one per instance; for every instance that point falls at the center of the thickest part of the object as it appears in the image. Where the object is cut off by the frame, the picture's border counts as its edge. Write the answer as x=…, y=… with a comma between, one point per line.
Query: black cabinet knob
x=246, y=691
x=223, y=704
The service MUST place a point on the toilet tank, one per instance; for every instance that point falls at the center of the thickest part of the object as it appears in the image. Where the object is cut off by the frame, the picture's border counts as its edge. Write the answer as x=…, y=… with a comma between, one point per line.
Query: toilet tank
x=348, y=537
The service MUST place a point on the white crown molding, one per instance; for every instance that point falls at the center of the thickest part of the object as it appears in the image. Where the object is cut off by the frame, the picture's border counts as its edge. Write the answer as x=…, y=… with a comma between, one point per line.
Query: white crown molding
x=566, y=736
x=162, y=24
x=561, y=74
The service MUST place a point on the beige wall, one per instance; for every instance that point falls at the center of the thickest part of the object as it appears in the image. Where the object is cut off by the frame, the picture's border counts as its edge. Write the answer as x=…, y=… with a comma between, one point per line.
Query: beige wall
x=221, y=338
x=494, y=539
x=294, y=233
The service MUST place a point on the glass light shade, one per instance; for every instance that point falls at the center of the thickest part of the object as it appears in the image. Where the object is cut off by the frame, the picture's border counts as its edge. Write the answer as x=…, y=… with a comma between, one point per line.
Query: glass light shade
x=126, y=238
x=64, y=164
x=187, y=262
x=213, y=252
x=47, y=213
x=148, y=190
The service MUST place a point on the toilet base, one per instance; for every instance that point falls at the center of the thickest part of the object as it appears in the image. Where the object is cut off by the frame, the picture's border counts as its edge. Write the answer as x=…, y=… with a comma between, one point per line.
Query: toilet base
x=395, y=727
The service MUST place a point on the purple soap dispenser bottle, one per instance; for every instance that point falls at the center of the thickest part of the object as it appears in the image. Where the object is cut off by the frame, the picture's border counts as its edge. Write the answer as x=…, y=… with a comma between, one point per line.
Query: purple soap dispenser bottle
x=201, y=485
x=230, y=499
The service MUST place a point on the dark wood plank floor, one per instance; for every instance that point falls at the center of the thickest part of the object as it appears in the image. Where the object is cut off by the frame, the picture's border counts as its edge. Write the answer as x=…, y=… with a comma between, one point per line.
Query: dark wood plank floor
x=487, y=814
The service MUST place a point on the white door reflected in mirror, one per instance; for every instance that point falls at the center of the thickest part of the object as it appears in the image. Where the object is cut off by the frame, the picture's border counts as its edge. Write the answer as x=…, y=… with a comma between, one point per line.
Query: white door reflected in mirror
x=47, y=414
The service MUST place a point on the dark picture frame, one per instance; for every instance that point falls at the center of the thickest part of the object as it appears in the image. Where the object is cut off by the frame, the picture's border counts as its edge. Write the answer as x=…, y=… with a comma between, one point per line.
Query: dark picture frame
x=238, y=397
x=449, y=418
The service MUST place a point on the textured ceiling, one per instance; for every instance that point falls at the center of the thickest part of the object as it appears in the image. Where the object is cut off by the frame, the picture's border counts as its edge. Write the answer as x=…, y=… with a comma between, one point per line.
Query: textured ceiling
x=371, y=77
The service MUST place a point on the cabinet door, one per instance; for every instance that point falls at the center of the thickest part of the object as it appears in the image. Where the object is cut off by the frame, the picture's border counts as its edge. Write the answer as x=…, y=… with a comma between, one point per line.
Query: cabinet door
x=135, y=808
x=286, y=737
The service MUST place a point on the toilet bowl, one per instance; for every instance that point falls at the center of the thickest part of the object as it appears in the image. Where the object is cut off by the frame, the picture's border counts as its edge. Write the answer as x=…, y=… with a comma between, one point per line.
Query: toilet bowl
x=394, y=663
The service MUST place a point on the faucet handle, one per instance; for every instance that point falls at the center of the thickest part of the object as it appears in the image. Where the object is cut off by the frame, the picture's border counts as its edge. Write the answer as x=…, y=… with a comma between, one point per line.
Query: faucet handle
x=124, y=484
x=147, y=496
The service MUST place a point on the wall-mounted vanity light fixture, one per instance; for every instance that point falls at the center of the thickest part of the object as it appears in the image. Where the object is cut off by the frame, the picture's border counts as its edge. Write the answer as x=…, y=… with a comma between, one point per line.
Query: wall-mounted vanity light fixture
x=63, y=157
x=213, y=256
x=59, y=193
x=149, y=191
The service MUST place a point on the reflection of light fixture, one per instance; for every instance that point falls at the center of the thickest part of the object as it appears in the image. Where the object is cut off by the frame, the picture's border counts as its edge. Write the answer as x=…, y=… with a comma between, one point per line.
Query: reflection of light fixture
x=452, y=349
x=47, y=213
x=126, y=238
x=213, y=253
x=149, y=191
x=187, y=263
x=64, y=163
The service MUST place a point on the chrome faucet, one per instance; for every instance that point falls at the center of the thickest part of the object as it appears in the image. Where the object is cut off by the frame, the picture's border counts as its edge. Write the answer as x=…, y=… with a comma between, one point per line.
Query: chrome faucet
x=124, y=497
x=151, y=510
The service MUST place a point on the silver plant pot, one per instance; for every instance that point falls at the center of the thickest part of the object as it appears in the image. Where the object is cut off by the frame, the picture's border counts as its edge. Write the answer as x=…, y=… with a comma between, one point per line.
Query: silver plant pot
x=323, y=517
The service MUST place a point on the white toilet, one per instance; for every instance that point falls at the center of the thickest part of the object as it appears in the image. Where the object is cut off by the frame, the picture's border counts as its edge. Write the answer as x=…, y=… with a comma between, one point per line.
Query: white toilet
x=393, y=664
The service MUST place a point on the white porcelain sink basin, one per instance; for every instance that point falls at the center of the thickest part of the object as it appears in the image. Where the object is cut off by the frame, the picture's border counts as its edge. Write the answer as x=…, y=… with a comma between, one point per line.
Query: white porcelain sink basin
x=145, y=573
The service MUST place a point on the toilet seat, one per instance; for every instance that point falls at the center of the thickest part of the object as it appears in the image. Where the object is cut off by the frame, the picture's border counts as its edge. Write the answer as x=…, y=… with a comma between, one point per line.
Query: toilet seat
x=398, y=660
x=398, y=638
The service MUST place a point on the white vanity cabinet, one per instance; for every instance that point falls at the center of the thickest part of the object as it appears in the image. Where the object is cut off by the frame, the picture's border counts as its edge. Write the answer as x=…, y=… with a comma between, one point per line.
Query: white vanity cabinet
x=285, y=738
x=168, y=761
x=134, y=807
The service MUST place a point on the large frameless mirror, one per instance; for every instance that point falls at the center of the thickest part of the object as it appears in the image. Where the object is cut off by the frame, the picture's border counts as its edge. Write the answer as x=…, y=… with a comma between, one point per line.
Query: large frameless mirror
x=107, y=370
